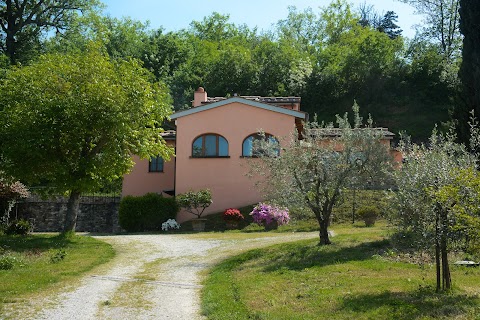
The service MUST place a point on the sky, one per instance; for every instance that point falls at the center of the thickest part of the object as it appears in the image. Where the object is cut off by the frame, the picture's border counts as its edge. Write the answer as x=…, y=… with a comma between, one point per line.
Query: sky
x=174, y=15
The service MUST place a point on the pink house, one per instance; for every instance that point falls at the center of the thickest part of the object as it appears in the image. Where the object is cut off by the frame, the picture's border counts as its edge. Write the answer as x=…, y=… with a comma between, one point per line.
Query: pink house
x=212, y=142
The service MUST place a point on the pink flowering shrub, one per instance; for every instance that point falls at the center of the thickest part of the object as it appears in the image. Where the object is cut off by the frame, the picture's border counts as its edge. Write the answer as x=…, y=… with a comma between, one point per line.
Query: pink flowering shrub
x=265, y=214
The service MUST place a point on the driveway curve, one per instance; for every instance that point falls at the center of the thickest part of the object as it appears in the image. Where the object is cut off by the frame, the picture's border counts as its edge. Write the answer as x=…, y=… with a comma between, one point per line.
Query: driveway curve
x=151, y=277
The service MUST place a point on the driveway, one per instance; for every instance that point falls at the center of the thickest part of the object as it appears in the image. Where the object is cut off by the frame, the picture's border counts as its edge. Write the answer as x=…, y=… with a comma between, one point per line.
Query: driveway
x=151, y=277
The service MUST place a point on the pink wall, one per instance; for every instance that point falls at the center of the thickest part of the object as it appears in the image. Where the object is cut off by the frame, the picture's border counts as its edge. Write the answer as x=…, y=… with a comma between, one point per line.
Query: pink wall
x=225, y=177
x=139, y=181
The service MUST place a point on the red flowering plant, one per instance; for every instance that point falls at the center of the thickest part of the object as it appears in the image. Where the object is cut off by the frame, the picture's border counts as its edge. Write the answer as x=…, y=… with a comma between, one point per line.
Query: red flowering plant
x=232, y=215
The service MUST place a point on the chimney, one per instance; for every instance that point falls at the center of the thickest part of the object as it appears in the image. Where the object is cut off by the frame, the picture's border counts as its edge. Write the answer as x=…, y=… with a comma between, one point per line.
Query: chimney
x=199, y=96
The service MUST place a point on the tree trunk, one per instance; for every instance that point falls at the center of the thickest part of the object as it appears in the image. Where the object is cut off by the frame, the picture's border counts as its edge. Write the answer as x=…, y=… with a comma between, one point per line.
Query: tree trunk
x=437, y=250
x=437, y=264
x=72, y=211
x=10, y=42
x=446, y=278
x=324, y=239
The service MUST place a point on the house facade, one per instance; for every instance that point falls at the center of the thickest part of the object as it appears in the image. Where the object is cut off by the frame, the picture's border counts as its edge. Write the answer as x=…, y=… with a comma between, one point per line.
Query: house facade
x=213, y=144
x=213, y=141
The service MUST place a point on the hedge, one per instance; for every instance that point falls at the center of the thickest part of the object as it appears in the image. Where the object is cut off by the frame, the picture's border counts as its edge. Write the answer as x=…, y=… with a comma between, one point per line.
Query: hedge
x=146, y=213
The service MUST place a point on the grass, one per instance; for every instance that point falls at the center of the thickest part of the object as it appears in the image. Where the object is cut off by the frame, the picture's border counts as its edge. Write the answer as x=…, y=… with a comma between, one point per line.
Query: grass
x=352, y=278
x=41, y=261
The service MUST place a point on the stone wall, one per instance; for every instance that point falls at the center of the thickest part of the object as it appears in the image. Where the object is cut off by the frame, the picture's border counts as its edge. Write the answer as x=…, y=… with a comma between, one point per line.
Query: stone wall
x=97, y=214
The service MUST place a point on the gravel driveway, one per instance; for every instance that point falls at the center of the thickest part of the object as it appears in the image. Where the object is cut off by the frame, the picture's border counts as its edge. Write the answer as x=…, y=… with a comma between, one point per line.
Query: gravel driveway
x=152, y=277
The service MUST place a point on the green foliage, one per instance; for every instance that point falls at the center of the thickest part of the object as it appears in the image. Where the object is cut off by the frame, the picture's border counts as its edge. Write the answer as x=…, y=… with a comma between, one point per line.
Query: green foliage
x=441, y=24
x=195, y=202
x=369, y=215
x=58, y=256
x=19, y=227
x=23, y=24
x=146, y=213
x=122, y=38
x=7, y=262
x=417, y=208
x=369, y=212
x=462, y=197
x=313, y=171
x=470, y=69
x=79, y=117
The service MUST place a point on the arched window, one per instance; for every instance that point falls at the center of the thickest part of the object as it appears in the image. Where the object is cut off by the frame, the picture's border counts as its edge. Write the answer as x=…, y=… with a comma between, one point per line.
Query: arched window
x=210, y=145
x=252, y=145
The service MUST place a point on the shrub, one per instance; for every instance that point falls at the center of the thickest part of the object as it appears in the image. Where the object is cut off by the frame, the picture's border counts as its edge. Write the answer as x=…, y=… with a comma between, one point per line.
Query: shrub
x=195, y=202
x=58, y=256
x=146, y=213
x=265, y=214
x=7, y=262
x=232, y=215
x=369, y=215
x=19, y=227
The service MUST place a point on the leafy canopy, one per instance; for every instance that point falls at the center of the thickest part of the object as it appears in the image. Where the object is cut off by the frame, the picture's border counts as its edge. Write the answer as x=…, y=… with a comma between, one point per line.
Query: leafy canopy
x=72, y=121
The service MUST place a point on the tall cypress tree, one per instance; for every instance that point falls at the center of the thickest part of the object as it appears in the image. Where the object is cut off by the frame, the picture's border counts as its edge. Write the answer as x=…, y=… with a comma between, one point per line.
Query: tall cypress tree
x=470, y=69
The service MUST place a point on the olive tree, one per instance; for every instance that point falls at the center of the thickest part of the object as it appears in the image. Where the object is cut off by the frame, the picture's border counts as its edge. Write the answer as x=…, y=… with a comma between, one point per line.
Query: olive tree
x=420, y=207
x=462, y=197
x=313, y=168
x=71, y=122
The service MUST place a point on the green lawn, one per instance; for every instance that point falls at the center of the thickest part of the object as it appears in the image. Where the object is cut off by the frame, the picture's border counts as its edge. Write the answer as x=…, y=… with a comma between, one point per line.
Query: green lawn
x=38, y=262
x=354, y=278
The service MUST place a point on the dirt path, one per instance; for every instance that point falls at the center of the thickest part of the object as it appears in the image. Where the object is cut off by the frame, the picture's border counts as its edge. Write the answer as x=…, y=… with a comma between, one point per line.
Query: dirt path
x=152, y=277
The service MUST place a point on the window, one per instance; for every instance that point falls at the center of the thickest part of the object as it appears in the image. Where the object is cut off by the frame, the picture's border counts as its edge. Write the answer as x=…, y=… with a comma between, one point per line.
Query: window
x=155, y=164
x=210, y=145
x=255, y=140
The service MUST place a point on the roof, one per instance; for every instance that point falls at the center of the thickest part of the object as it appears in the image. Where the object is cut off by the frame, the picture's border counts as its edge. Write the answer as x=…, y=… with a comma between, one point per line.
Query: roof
x=169, y=135
x=262, y=104
x=336, y=132
x=270, y=100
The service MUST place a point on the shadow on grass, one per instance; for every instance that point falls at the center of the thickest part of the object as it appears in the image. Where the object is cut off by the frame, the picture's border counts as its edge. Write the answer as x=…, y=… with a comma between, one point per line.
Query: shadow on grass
x=294, y=257
x=33, y=242
x=420, y=304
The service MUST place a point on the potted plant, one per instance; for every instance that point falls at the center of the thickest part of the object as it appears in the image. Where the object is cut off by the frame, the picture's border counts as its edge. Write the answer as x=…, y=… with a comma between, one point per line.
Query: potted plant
x=270, y=216
x=196, y=203
x=369, y=215
x=232, y=217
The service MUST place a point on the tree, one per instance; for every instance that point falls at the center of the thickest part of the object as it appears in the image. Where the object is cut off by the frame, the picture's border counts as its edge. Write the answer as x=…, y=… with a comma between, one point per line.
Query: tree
x=22, y=21
x=299, y=30
x=195, y=202
x=462, y=197
x=441, y=24
x=70, y=122
x=312, y=170
x=470, y=68
x=420, y=207
x=386, y=24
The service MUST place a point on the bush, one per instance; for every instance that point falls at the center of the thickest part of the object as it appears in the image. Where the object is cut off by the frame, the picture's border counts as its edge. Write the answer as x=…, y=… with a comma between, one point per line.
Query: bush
x=232, y=215
x=19, y=227
x=146, y=213
x=7, y=262
x=265, y=214
x=369, y=215
x=57, y=256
